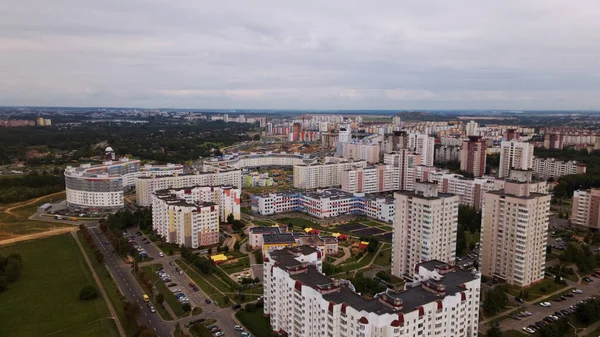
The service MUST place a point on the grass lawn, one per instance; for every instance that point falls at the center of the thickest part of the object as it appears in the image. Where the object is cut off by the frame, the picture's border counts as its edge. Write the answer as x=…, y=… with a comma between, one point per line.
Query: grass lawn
x=113, y=292
x=501, y=318
x=298, y=222
x=201, y=281
x=255, y=322
x=45, y=300
x=263, y=223
x=472, y=237
x=383, y=258
x=543, y=288
x=387, y=228
x=239, y=265
x=20, y=224
x=513, y=333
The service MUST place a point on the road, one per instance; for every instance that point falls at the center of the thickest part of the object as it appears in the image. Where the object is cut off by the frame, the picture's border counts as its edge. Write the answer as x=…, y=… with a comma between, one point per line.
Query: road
x=126, y=282
x=121, y=273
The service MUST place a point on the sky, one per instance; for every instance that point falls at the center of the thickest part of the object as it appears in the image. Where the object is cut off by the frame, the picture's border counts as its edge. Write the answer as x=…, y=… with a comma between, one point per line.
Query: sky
x=382, y=54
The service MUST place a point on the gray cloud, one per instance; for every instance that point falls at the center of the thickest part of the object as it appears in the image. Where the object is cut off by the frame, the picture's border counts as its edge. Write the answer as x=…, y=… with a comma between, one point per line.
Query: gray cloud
x=352, y=54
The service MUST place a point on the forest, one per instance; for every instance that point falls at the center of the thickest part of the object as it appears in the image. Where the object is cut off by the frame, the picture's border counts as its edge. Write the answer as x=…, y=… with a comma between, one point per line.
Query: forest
x=160, y=142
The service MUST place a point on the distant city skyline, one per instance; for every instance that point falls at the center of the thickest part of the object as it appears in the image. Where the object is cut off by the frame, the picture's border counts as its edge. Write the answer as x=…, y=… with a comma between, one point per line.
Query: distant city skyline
x=391, y=55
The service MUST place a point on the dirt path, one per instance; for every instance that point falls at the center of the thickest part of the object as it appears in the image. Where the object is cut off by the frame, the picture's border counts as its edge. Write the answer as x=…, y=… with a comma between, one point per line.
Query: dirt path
x=343, y=257
x=100, y=286
x=27, y=202
x=53, y=232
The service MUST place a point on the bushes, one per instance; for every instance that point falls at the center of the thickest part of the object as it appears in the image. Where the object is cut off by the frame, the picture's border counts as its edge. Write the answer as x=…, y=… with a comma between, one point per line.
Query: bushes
x=495, y=300
x=88, y=293
x=10, y=269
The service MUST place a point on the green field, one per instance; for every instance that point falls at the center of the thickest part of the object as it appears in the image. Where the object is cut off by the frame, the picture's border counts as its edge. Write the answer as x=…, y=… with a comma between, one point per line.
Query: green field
x=20, y=224
x=383, y=258
x=255, y=321
x=44, y=301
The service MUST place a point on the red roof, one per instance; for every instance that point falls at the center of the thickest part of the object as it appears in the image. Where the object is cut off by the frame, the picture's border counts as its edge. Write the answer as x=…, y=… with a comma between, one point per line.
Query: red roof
x=363, y=320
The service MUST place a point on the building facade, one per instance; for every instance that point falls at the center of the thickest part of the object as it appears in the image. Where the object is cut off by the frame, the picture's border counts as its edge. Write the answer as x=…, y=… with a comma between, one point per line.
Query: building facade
x=472, y=156
x=100, y=187
x=552, y=168
x=586, y=208
x=407, y=162
x=425, y=228
x=324, y=204
x=373, y=179
x=323, y=175
x=301, y=301
x=146, y=186
x=515, y=155
x=514, y=231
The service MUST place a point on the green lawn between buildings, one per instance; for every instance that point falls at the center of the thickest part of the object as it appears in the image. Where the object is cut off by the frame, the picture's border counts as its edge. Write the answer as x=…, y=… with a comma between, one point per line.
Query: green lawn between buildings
x=45, y=300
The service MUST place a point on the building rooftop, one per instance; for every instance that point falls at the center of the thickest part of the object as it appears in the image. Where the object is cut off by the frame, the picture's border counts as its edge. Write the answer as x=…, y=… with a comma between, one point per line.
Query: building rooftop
x=411, y=298
x=264, y=230
x=274, y=238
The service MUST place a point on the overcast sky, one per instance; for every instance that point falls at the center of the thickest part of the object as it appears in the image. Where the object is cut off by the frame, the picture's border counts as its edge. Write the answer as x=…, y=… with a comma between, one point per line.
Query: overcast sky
x=328, y=54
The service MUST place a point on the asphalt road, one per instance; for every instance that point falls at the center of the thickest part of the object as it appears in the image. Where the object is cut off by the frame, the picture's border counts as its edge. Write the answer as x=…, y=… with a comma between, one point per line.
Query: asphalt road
x=121, y=273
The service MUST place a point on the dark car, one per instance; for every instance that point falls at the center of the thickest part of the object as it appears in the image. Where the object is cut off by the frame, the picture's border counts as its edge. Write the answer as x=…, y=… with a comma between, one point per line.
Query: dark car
x=171, y=284
x=207, y=301
x=195, y=288
x=587, y=279
x=236, y=306
x=520, y=300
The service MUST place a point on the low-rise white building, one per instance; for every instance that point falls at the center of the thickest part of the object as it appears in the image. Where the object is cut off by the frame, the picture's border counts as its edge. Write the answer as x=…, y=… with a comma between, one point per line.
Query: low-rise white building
x=325, y=204
x=301, y=301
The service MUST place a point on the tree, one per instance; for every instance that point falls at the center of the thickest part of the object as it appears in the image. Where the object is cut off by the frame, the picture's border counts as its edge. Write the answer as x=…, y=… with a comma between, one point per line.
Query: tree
x=3, y=283
x=256, y=137
x=88, y=292
x=236, y=245
x=495, y=300
x=225, y=299
x=494, y=331
x=372, y=247
x=144, y=331
x=160, y=298
x=132, y=311
x=461, y=239
x=230, y=218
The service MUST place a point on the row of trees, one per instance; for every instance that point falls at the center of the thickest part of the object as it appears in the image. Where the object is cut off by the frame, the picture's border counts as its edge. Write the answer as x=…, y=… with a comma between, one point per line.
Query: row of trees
x=31, y=185
x=202, y=263
x=581, y=255
x=10, y=269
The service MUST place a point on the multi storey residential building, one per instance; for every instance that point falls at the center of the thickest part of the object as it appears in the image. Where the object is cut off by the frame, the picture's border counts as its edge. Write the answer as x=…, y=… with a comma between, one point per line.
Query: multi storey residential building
x=182, y=223
x=324, y=204
x=226, y=197
x=301, y=301
x=424, y=145
x=145, y=186
x=100, y=187
x=358, y=150
x=445, y=153
x=149, y=170
x=373, y=179
x=253, y=159
x=407, y=162
x=586, y=208
x=472, y=156
x=552, y=168
x=515, y=155
x=323, y=175
x=514, y=231
x=425, y=228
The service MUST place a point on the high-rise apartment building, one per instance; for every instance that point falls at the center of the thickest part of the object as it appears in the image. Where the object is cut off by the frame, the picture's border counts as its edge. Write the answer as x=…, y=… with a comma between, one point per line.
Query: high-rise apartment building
x=359, y=150
x=407, y=162
x=301, y=301
x=472, y=128
x=586, y=208
x=373, y=179
x=424, y=228
x=425, y=146
x=344, y=136
x=515, y=155
x=551, y=168
x=472, y=156
x=514, y=231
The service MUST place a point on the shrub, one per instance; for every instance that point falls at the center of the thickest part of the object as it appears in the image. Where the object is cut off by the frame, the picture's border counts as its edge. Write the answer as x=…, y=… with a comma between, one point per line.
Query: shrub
x=88, y=293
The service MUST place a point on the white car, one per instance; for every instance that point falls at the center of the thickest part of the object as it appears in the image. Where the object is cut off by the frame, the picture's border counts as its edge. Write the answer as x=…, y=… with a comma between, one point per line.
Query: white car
x=219, y=334
x=176, y=290
x=238, y=328
x=161, y=254
x=577, y=291
x=546, y=304
x=526, y=329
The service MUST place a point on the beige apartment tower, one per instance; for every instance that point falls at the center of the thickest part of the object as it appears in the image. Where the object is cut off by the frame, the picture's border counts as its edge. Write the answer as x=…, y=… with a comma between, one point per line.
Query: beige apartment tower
x=425, y=227
x=514, y=229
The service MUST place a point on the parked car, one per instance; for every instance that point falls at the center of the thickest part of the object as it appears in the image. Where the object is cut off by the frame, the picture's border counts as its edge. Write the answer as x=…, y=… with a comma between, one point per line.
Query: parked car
x=161, y=254
x=171, y=284
x=207, y=301
x=577, y=291
x=546, y=304
x=588, y=279
x=527, y=329
x=520, y=300
x=236, y=306
x=218, y=334
x=151, y=307
x=238, y=328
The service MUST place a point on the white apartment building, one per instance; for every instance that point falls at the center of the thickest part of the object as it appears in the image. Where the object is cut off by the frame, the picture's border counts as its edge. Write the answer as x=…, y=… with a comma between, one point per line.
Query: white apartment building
x=515, y=155
x=302, y=302
x=586, y=208
x=407, y=162
x=323, y=175
x=425, y=228
x=100, y=187
x=358, y=150
x=552, y=168
x=373, y=179
x=423, y=145
x=150, y=170
x=225, y=196
x=145, y=186
x=514, y=231
x=444, y=154
x=182, y=223
x=253, y=159
x=325, y=204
